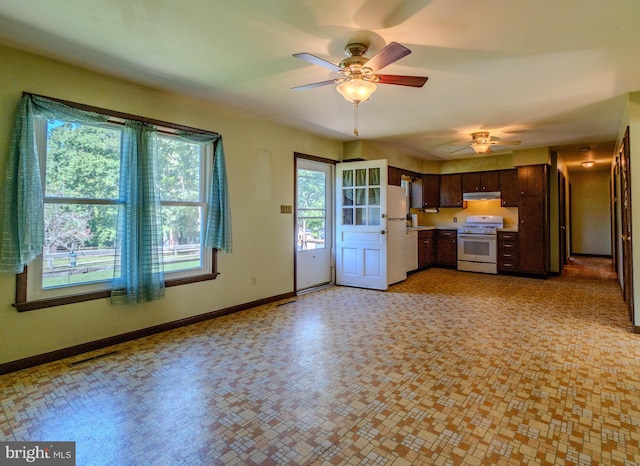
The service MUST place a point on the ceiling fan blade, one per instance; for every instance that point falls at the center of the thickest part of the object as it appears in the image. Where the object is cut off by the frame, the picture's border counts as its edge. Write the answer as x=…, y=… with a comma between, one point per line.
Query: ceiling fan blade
x=391, y=53
x=312, y=85
x=458, y=150
x=412, y=81
x=317, y=61
x=505, y=143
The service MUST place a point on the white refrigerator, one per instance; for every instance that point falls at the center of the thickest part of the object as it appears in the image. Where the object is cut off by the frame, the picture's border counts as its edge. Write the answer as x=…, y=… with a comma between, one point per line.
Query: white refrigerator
x=396, y=234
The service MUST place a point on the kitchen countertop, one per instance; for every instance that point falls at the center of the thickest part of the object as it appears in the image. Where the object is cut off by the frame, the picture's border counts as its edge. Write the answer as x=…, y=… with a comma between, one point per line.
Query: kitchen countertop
x=443, y=227
x=430, y=227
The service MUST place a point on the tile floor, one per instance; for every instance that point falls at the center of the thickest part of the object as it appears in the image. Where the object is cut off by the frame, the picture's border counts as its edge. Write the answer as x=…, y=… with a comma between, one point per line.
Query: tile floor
x=446, y=368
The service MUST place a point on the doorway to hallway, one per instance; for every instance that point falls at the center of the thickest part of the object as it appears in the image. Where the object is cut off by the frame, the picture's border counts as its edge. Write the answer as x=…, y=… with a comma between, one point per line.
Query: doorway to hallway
x=595, y=267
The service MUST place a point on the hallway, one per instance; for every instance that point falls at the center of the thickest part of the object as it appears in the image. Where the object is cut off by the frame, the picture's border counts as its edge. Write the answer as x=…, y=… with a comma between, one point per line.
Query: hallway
x=590, y=267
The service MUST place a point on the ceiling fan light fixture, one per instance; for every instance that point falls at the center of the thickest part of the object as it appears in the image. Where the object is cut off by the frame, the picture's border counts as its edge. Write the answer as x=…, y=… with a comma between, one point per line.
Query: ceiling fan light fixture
x=481, y=142
x=356, y=90
x=480, y=148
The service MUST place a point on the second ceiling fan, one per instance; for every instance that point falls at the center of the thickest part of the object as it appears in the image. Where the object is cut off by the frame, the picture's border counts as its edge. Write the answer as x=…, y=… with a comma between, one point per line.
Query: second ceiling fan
x=482, y=141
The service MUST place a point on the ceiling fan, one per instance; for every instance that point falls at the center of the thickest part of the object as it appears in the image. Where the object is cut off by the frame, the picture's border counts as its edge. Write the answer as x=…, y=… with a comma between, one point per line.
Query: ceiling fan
x=360, y=74
x=482, y=141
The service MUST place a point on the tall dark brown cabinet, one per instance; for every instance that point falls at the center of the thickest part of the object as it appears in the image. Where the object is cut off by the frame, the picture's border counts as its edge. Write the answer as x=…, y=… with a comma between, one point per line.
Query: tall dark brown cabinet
x=533, y=219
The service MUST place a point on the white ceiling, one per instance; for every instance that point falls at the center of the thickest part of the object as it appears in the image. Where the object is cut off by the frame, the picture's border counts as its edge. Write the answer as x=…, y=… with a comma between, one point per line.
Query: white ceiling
x=546, y=72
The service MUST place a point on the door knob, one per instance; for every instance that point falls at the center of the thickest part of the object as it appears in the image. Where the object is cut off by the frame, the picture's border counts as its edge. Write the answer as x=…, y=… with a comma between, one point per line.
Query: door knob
x=382, y=232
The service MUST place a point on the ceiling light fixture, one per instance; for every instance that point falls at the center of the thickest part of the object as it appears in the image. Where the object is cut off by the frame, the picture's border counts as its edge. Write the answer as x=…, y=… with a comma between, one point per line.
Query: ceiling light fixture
x=480, y=148
x=588, y=163
x=481, y=142
x=356, y=90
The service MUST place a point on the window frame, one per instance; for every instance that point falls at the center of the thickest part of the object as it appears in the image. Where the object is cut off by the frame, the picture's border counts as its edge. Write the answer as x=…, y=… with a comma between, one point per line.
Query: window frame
x=22, y=301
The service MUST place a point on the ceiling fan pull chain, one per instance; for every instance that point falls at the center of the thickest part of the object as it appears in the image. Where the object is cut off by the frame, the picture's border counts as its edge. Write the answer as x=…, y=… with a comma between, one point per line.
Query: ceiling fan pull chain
x=355, y=118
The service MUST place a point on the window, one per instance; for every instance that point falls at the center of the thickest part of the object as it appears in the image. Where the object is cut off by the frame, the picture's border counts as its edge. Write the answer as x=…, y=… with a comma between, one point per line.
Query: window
x=85, y=174
x=312, y=211
x=81, y=167
x=361, y=196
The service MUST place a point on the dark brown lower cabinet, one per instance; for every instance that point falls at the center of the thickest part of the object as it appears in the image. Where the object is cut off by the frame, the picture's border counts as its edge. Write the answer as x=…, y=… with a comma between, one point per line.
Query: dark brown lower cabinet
x=426, y=248
x=507, y=251
x=447, y=248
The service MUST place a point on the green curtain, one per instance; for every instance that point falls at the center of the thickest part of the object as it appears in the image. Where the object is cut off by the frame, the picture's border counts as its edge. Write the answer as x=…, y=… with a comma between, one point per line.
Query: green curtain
x=218, y=226
x=22, y=207
x=139, y=231
x=218, y=234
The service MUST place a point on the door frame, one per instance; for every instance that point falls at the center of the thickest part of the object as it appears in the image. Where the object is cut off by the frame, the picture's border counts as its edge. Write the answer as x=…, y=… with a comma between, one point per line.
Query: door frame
x=562, y=214
x=331, y=208
x=626, y=233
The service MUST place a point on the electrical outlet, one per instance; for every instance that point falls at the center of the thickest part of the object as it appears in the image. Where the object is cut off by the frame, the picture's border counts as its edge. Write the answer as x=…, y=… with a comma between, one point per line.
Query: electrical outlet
x=455, y=219
x=253, y=280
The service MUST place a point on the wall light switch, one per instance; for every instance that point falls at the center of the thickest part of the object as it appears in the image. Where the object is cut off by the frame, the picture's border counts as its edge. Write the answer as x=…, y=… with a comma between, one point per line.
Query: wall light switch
x=286, y=209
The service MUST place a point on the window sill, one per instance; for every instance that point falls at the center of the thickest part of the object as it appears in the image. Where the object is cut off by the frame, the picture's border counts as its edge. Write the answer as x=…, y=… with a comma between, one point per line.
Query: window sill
x=23, y=306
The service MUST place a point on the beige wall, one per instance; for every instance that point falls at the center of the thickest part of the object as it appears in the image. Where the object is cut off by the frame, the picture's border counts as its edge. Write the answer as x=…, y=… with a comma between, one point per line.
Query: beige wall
x=259, y=158
x=452, y=217
x=590, y=212
x=370, y=150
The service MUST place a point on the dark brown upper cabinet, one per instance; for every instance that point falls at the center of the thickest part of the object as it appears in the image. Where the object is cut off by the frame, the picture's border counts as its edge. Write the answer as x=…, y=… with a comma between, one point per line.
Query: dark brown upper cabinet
x=509, y=188
x=451, y=190
x=480, y=181
x=531, y=180
x=430, y=191
x=394, y=176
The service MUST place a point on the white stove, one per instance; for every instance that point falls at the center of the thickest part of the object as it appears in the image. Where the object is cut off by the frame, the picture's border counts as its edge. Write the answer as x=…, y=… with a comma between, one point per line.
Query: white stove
x=477, y=243
x=482, y=225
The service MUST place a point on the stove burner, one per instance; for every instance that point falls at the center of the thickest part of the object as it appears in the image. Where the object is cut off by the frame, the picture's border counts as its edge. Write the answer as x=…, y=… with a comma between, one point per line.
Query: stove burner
x=482, y=225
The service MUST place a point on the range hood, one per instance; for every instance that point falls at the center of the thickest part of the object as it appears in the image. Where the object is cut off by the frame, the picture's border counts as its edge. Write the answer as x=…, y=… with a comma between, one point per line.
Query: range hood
x=481, y=196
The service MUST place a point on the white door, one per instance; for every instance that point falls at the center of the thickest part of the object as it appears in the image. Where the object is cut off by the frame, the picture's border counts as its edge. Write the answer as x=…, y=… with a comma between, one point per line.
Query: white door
x=361, y=241
x=314, y=198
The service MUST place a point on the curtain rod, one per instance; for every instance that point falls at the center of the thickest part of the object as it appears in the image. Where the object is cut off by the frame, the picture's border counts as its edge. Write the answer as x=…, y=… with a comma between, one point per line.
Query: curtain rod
x=125, y=116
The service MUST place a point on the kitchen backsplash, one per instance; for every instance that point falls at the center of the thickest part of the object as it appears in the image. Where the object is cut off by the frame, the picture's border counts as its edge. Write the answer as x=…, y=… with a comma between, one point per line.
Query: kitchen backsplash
x=445, y=216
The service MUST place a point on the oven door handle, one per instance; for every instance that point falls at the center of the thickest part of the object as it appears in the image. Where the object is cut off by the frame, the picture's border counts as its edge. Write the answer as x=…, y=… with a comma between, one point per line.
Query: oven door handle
x=480, y=237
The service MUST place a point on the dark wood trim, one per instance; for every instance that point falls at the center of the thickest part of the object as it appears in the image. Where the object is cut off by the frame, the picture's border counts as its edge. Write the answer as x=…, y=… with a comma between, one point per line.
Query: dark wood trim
x=314, y=158
x=636, y=329
x=21, y=287
x=124, y=116
x=61, y=301
x=122, y=338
